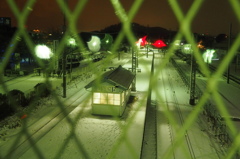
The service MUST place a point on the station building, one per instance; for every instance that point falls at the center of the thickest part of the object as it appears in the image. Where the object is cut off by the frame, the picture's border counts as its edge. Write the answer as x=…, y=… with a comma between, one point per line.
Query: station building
x=111, y=91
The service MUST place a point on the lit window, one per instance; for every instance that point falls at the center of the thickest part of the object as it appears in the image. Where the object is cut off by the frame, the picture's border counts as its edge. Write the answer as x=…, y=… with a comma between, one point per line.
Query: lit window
x=103, y=98
x=116, y=99
x=96, y=101
x=110, y=98
x=96, y=95
x=107, y=98
x=96, y=98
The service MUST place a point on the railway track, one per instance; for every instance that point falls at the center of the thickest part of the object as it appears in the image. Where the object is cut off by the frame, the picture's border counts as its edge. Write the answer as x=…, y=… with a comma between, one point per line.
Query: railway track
x=172, y=103
x=41, y=127
x=218, y=126
x=186, y=72
x=212, y=68
x=231, y=77
x=156, y=143
x=46, y=126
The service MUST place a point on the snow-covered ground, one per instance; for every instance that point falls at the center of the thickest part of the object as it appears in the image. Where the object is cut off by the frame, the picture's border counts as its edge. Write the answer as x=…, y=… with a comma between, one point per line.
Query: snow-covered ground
x=76, y=133
x=174, y=113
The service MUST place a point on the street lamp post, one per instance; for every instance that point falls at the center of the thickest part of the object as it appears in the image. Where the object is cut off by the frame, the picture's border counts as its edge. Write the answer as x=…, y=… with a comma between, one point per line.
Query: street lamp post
x=192, y=80
x=134, y=63
x=71, y=42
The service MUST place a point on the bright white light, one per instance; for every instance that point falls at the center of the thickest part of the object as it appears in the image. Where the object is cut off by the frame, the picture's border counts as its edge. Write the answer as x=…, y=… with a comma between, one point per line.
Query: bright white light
x=72, y=41
x=177, y=42
x=43, y=52
x=208, y=55
x=94, y=44
x=187, y=49
x=138, y=43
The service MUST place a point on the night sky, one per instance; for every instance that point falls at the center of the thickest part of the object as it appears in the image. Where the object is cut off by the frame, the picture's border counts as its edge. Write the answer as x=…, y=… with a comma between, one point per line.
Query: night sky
x=213, y=18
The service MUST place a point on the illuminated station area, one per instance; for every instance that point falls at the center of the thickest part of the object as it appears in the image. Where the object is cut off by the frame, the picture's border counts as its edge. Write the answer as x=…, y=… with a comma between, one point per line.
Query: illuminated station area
x=111, y=92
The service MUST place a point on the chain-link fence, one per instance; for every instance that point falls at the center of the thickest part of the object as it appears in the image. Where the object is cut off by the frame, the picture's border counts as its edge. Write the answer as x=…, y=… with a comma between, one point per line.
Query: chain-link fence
x=93, y=70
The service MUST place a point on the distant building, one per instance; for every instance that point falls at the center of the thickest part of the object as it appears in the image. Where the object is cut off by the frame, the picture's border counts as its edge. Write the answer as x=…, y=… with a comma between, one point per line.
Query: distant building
x=111, y=92
x=5, y=21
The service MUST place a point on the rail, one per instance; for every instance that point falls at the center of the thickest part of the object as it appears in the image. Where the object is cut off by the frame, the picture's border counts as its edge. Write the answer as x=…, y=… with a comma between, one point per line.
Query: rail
x=23, y=14
x=217, y=124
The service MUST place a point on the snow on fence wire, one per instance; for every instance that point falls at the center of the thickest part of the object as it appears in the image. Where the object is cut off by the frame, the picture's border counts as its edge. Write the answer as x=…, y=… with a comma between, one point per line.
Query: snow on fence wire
x=185, y=21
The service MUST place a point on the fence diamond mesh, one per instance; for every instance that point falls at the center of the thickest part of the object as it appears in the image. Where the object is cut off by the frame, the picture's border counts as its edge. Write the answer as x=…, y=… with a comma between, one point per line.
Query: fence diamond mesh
x=93, y=70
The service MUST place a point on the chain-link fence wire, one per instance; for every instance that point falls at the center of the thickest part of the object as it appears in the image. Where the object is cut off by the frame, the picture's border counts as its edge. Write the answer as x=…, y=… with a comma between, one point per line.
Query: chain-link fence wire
x=185, y=22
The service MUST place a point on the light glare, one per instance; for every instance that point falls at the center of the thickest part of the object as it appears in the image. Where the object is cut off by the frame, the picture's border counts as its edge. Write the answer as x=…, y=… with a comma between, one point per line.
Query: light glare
x=43, y=52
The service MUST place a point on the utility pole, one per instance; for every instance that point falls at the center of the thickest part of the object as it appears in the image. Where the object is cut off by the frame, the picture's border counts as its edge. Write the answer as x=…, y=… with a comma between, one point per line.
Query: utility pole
x=134, y=63
x=192, y=78
x=229, y=45
x=56, y=58
x=64, y=58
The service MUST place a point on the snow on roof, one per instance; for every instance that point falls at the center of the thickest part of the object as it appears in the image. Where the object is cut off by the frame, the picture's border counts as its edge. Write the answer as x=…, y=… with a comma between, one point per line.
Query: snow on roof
x=120, y=77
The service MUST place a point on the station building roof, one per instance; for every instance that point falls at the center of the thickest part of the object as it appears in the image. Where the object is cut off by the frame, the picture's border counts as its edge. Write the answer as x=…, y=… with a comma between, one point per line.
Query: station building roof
x=120, y=78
